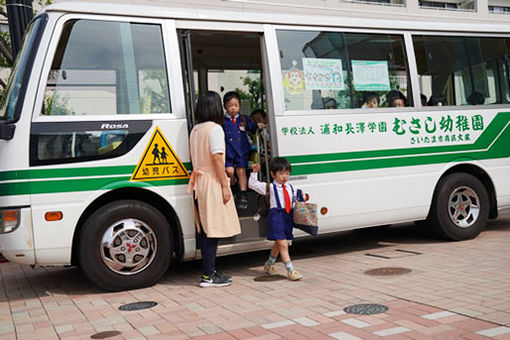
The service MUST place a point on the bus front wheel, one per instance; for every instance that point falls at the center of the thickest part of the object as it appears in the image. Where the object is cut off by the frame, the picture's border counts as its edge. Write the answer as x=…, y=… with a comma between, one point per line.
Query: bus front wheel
x=460, y=208
x=125, y=245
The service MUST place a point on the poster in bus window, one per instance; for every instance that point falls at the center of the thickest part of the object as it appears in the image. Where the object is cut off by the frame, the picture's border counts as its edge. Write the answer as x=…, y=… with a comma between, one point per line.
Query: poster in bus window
x=370, y=75
x=293, y=80
x=323, y=74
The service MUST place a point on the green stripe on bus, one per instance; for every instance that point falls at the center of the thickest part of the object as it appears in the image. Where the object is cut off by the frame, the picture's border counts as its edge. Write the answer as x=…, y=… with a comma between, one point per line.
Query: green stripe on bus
x=85, y=184
x=485, y=139
x=493, y=143
x=67, y=172
x=71, y=172
x=499, y=148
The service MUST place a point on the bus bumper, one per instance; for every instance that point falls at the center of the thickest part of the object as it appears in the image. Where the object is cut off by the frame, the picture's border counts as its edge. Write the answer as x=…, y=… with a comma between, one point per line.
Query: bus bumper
x=18, y=246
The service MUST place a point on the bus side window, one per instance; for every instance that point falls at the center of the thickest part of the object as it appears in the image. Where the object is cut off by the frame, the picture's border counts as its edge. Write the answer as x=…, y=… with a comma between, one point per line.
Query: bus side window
x=100, y=68
x=334, y=70
x=108, y=68
x=463, y=70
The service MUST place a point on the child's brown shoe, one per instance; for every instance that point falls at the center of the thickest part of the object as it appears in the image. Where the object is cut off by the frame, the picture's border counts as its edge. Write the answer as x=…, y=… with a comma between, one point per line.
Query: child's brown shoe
x=269, y=269
x=294, y=275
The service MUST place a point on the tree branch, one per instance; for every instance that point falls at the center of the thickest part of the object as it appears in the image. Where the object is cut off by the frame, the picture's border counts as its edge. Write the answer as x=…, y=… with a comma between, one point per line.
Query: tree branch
x=5, y=50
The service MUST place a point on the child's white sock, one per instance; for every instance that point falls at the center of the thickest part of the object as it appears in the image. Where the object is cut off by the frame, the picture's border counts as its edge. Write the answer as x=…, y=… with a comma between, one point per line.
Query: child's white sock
x=289, y=266
x=271, y=260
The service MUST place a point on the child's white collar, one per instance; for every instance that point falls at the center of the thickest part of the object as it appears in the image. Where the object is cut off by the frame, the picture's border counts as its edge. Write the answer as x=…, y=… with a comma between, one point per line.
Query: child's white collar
x=278, y=184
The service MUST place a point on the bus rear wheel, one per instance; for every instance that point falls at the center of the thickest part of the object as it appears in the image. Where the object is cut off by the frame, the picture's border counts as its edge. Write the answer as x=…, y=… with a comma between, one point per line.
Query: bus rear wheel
x=125, y=245
x=460, y=208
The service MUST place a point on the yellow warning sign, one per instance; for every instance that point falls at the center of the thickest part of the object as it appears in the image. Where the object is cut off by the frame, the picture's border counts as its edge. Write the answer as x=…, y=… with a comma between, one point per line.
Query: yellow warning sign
x=159, y=161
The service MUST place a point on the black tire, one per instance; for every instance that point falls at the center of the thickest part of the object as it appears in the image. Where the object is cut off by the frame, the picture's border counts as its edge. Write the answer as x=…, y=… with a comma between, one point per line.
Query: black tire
x=463, y=195
x=125, y=217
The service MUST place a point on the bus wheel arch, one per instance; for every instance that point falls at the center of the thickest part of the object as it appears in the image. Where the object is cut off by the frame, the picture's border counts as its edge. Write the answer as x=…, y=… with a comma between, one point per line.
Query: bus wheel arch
x=137, y=194
x=483, y=177
x=463, y=201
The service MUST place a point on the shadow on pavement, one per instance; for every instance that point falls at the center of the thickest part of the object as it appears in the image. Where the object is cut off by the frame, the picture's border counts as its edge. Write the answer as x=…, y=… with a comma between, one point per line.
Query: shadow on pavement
x=71, y=281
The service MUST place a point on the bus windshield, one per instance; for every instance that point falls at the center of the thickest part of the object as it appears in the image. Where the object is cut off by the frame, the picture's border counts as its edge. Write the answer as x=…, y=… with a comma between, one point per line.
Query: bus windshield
x=15, y=92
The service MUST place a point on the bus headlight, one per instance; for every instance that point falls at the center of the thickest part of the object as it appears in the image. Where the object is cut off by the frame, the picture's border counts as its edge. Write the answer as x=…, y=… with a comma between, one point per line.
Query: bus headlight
x=9, y=220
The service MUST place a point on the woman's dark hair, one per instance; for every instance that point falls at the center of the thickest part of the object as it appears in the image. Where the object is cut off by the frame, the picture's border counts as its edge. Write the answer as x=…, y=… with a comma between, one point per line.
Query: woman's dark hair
x=229, y=95
x=279, y=164
x=208, y=108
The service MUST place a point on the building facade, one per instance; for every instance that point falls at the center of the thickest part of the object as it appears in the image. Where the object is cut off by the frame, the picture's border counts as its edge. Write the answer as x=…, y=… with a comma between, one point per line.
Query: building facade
x=496, y=11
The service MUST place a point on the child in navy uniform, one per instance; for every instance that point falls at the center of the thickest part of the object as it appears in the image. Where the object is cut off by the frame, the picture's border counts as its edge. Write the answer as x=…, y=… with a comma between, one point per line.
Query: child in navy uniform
x=237, y=145
x=280, y=224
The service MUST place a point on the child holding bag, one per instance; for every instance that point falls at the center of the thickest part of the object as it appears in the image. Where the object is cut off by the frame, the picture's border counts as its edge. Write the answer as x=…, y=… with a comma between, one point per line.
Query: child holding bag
x=280, y=224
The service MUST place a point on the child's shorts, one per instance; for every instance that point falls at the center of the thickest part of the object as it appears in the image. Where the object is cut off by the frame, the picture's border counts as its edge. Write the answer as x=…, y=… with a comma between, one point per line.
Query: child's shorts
x=279, y=225
x=237, y=162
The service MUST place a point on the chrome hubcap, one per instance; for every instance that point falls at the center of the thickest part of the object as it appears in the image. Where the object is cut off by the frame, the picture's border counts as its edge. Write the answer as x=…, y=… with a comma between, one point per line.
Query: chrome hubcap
x=464, y=207
x=128, y=246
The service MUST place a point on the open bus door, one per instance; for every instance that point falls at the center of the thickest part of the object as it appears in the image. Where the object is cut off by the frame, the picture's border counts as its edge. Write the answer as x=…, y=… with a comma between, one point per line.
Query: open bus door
x=224, y=61
x=187, y=75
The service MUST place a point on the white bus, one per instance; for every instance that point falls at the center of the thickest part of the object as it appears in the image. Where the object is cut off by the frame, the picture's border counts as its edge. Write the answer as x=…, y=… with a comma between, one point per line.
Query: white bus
x=94, y=154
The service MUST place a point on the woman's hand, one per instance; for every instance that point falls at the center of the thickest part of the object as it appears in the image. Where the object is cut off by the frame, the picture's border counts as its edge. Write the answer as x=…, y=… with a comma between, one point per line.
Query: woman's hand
x=260, y=126
x=221, y=176
x=225, y=191
x=255, y=167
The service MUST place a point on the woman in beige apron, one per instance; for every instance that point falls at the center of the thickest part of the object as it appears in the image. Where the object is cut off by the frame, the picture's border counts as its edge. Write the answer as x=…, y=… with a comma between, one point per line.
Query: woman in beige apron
x=215, y=212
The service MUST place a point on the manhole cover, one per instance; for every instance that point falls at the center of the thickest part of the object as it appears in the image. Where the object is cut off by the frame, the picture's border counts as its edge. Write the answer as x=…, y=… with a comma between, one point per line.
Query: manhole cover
x=138, y=305
x=366, y=309
x=386, y=271
x=104, y=335
x=267, y=278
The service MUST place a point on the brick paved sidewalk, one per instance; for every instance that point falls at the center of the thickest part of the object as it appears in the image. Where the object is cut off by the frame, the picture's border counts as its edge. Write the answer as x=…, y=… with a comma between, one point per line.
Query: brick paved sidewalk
x=454, y=291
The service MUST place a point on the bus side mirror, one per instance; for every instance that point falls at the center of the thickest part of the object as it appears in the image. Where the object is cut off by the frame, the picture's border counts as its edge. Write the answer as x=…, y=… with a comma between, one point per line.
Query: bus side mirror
x=6, y=131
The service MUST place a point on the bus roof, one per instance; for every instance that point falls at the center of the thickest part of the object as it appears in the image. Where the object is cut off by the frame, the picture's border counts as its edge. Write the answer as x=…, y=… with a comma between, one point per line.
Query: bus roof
x=414, y=22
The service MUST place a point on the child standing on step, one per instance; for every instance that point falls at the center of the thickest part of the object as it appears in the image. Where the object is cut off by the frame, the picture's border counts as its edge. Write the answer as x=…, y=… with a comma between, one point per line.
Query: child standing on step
x=280, y=224
x=238, y=147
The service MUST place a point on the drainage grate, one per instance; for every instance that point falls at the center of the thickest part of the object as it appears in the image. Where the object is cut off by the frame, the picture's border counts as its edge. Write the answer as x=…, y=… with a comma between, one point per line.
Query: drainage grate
x=104, y=335
x=138, y=305
x=387, y=271
x=366, y=309
x=268, y=278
